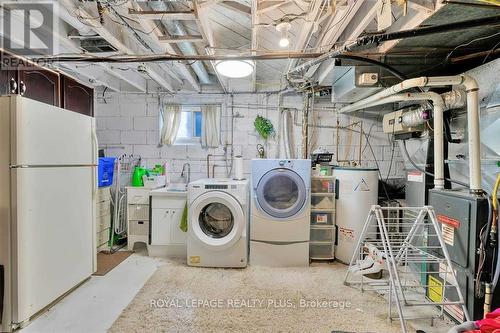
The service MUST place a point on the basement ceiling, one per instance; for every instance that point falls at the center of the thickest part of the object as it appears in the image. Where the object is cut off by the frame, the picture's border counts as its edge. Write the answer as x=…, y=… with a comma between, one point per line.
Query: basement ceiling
x=232, y=27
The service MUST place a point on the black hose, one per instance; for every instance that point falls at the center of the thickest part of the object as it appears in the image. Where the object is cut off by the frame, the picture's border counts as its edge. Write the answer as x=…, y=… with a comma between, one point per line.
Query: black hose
x=380, y=64
x=426, y=172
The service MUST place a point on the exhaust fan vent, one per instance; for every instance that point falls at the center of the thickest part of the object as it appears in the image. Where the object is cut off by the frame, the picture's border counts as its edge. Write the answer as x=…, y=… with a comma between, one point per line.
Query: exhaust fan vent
x=97, y=45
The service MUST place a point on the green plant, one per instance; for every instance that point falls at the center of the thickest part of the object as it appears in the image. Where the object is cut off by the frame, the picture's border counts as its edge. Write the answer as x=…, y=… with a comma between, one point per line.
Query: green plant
x=264, y=127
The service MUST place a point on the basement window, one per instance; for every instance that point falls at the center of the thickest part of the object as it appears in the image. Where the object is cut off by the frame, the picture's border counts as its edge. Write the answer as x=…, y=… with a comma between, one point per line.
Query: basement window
x=190, y=127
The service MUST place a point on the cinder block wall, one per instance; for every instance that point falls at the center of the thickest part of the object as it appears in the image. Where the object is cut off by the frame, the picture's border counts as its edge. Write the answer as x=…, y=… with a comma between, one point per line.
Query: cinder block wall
x=129, y=124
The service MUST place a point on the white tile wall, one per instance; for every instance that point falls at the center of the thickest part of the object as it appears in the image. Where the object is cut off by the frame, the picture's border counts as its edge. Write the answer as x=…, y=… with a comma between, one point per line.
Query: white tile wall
x=129, y=124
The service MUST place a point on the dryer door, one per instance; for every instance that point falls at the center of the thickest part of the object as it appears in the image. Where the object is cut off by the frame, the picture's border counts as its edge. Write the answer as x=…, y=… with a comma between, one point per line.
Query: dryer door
x=281, y=193
x=216, y=220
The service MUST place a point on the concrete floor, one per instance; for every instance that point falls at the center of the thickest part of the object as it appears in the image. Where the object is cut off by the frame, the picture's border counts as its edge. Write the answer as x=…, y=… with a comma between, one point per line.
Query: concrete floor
x=95, y=305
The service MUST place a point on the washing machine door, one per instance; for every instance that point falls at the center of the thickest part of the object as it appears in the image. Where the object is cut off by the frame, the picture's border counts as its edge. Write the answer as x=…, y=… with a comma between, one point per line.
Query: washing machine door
x=281, y=193
x=216, y=220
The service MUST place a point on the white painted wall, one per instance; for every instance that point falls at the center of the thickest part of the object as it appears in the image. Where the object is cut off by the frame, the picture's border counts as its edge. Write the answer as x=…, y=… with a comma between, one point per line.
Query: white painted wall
x=128, y=123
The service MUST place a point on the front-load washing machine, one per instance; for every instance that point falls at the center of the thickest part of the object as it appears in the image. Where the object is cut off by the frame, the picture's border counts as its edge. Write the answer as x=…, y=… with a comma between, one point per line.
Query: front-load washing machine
x=218, y=214
x=280, y=213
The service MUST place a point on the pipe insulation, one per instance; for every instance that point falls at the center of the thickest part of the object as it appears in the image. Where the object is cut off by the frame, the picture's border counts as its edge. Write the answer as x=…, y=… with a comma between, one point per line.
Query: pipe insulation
x=415, y=117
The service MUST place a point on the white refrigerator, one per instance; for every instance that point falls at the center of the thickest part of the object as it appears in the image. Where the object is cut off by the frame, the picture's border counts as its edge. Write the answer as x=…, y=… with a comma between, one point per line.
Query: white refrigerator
x=48, y=185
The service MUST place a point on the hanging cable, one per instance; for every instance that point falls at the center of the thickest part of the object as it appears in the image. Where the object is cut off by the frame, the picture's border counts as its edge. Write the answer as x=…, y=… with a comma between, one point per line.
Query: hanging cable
x=405, y=150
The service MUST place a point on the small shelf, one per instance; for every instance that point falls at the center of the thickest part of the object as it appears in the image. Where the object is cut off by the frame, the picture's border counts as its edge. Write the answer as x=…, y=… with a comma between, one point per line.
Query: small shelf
x=323, y=177
x=325, y=226
x=322, y=210
x=327, y=194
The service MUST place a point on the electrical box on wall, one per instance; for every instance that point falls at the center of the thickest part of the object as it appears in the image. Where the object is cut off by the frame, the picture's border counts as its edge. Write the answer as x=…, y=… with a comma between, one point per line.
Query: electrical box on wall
x=393, y=124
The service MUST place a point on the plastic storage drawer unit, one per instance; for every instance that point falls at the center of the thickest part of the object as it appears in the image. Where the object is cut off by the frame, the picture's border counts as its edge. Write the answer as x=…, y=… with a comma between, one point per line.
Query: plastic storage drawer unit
x=322, y=218
x=321, y=251
x=322, y=234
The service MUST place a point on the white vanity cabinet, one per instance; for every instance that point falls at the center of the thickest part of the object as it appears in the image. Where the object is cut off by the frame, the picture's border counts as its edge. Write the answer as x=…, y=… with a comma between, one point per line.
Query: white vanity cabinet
x=166, y=238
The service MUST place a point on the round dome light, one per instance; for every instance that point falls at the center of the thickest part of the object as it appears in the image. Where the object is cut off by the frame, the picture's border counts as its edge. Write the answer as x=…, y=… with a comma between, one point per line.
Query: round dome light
x=284, y=42
x=234, y=68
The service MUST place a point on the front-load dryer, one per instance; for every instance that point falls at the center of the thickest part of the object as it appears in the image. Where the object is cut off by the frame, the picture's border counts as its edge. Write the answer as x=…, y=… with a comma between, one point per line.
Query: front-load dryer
x=218, y=214
x=280, y=212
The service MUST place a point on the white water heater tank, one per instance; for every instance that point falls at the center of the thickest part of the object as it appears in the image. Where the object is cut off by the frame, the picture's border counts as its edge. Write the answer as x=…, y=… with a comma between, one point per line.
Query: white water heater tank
x=357, y=192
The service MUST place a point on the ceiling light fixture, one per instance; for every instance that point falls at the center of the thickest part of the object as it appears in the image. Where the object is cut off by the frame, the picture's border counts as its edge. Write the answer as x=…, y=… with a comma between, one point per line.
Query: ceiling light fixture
x=235, y=69
x=284, y=28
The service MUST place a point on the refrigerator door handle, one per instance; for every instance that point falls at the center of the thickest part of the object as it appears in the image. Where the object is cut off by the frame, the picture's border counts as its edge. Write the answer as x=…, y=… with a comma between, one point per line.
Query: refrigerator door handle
x=95, y=146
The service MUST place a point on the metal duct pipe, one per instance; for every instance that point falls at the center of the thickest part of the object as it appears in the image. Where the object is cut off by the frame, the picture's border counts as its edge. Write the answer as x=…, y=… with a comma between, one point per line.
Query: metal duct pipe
x=186, y=47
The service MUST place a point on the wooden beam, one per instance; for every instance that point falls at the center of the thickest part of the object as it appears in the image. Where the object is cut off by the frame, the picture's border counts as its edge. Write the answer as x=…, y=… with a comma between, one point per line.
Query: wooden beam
x=410, y=21
x=177, y=15
x=182, y=69
x=95, y=74
x=206, y=31
x=266, y=6
x=236, y=6
x=307, y=29
x=181, y=39
x=255, y=41
x=130, y=76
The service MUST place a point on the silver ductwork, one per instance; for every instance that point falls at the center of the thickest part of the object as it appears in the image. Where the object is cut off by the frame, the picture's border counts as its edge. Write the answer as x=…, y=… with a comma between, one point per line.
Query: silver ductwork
x=187, y=48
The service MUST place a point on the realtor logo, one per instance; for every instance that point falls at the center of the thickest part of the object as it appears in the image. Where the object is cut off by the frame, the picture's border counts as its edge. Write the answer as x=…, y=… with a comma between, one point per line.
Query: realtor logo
x=28, y=28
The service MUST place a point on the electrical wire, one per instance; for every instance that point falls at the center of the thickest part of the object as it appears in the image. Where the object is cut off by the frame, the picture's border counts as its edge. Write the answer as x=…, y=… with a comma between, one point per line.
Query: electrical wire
x=378, y=166
x=392, y=152
x=405, y=150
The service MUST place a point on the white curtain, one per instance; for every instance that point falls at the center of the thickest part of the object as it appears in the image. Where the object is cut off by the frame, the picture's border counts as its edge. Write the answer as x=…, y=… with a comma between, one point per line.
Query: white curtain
x=210, y=131
x=171, y=119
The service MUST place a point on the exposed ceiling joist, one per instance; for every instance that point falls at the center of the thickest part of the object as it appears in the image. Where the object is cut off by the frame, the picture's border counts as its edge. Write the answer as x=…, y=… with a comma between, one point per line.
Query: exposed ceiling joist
x=181, y=39
x=162, y=14
x=306, y=30
x=410, y=21
x=266, y=6
x=423, y=4
x=338, y=22
x=110, y=31
x=184, y=71
x=236, y=6
x=130, y=76
x=95, y=75
x=207, y=33
x=255, y=41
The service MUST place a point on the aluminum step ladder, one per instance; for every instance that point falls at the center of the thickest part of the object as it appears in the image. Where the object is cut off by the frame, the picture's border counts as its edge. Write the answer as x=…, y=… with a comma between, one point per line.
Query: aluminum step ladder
x=401, y=255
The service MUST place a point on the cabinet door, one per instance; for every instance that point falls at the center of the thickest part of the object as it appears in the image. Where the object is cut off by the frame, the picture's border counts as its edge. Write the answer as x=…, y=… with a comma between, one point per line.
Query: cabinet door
x=160, y=226
x=39, y=84
x=8, y=76
x=177, y=236
x=77, y=97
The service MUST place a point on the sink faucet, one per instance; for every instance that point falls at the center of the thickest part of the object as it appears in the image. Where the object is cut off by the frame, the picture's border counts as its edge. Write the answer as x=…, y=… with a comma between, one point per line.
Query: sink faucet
x=183, y=175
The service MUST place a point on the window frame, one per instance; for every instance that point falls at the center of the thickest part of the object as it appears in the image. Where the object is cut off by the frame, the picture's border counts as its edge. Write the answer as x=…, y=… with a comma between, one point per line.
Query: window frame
x=194, y=139
x=193, y=108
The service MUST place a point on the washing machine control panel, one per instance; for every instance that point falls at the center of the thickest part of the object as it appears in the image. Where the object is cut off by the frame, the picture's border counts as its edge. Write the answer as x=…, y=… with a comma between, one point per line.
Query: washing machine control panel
x=215, y=187
x=288, y=163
